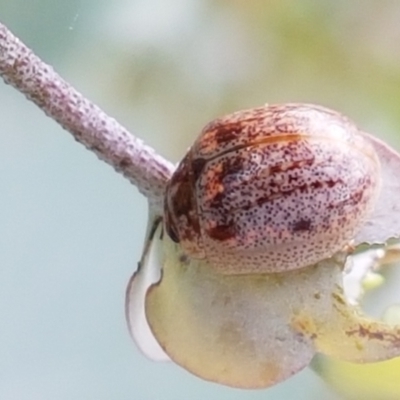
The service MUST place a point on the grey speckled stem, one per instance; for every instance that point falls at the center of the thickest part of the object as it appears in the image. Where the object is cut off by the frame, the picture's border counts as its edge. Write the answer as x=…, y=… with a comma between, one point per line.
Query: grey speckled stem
x=89, y=125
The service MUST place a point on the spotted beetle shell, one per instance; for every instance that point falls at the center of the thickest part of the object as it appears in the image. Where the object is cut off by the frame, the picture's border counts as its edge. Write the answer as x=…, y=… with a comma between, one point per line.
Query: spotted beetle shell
x=272, y=189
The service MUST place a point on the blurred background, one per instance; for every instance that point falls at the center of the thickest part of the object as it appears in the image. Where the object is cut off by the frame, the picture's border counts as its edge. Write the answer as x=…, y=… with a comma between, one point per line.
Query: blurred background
x=71, y=229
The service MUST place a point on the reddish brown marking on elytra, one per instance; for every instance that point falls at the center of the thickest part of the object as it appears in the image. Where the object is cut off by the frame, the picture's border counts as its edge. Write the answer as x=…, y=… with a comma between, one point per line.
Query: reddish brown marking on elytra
x=284, y=127
x=217, y=201
x=198, y=165
x=227, y=132
x=302, y=225
x=225, y=180
x=331, y=183
x=181, y=202
x=353, y=200
x=222, y=232
x=274, y=169
x=293, y=178
x=303, y=188
x=279, y=194
x=317, y=185
x=265, y=199
x=356, y=197
x=232, y=166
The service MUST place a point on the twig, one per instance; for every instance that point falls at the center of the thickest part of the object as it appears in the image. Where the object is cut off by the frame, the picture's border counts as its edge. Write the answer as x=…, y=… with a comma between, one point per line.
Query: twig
x=89, y=125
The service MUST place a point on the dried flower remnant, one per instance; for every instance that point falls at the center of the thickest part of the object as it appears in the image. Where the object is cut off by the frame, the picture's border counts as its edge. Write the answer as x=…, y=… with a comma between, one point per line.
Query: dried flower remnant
x=370, y=381
x=256, y=329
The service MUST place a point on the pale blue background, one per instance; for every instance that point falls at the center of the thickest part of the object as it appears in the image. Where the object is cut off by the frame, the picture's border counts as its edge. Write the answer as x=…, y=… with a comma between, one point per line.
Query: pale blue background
x=71, y=229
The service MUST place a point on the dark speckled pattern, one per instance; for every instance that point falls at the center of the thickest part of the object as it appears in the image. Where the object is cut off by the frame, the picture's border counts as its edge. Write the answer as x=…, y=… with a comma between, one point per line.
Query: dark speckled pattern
x=272, y=188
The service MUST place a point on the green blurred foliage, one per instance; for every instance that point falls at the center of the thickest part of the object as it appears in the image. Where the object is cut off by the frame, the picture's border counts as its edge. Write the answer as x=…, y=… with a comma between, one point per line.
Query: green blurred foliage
x=72, y=230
